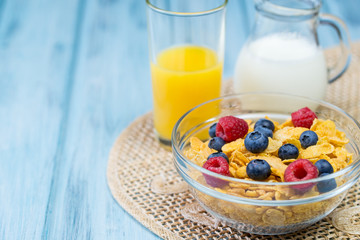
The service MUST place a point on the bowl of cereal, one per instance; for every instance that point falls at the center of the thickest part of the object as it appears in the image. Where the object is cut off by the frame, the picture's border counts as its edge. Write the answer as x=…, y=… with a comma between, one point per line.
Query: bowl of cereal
x=267, y=163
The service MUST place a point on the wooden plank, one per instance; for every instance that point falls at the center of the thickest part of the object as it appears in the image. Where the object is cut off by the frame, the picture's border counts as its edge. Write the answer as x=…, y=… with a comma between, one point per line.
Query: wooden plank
x=35, y=48
x=111, y=88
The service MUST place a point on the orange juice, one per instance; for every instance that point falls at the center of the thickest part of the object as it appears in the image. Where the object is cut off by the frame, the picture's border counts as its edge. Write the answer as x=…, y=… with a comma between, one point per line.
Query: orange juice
x=182, y=78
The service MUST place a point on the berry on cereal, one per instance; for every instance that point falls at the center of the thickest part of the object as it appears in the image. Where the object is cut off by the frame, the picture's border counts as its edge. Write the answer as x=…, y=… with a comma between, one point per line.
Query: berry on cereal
x=326, y=185
x=212, y=130
x=256, y=142
x=288, y=151
x=216, y=143
x=218, y=154
x=258, y=169
x=217, y=165
x=231, y=128
x=300, y=170
x=324, y=166
x=266, y=131
x=265, y=123
x=308, y=138
x=303, y=117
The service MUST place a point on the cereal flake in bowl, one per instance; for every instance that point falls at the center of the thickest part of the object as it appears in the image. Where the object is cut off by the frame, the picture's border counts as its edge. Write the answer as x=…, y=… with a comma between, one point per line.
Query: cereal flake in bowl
x=267, y=181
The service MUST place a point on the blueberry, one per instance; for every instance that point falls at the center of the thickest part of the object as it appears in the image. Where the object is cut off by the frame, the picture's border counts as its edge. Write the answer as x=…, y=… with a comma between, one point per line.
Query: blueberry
x=256, y=142
x=288, y=151
x=308, y=138
x=324, y=166
x=212, y=130
x=265, y=123
x=216, y=143
x=267, y=132
x=218, y=154
x=258, y=169
x=326, y=185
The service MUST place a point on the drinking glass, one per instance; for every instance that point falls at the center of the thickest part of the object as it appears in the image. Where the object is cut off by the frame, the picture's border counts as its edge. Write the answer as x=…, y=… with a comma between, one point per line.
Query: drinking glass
x=186, y=43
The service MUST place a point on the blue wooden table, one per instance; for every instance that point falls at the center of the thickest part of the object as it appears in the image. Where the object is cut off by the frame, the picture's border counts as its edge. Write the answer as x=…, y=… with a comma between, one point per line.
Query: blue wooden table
x=73, y=75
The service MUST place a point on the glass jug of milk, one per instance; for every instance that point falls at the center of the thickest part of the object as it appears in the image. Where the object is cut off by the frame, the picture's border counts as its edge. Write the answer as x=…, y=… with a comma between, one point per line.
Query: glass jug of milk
x=282, y=54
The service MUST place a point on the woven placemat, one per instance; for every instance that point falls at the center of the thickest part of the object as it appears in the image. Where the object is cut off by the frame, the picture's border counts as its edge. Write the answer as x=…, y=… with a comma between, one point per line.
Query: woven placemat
x=136, y=159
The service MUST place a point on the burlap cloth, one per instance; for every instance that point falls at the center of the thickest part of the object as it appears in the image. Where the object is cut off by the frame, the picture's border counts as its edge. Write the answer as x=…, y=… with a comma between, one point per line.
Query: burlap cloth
x=136, y=158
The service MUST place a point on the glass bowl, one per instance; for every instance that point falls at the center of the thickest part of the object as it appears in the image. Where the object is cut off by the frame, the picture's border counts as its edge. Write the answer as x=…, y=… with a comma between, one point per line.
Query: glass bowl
x=256, y=206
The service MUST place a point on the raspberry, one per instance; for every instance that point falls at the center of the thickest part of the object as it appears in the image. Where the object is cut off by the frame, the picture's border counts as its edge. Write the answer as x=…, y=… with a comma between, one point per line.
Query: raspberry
x=231, y=128
x=300, y=170
x=303, y=117
x=217, y=165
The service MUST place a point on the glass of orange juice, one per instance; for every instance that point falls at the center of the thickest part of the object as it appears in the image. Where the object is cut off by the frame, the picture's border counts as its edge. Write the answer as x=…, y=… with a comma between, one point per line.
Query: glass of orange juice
x=186, y=42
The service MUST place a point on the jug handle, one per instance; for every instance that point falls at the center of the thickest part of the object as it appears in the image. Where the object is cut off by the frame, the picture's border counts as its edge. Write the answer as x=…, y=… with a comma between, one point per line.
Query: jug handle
x=344, y=38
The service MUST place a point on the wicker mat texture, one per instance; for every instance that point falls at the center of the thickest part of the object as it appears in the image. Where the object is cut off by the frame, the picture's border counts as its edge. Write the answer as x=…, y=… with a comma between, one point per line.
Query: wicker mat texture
x=136, y=158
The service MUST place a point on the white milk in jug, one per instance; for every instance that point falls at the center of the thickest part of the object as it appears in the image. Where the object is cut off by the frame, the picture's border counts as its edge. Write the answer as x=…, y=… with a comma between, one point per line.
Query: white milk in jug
x=282, y=63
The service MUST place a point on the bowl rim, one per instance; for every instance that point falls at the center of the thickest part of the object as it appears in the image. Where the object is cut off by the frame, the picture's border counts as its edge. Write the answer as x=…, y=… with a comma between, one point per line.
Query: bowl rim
x=176, y=148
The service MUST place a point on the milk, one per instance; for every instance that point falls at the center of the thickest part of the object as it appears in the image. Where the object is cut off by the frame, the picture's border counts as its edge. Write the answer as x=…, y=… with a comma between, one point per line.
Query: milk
x=282, y=63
